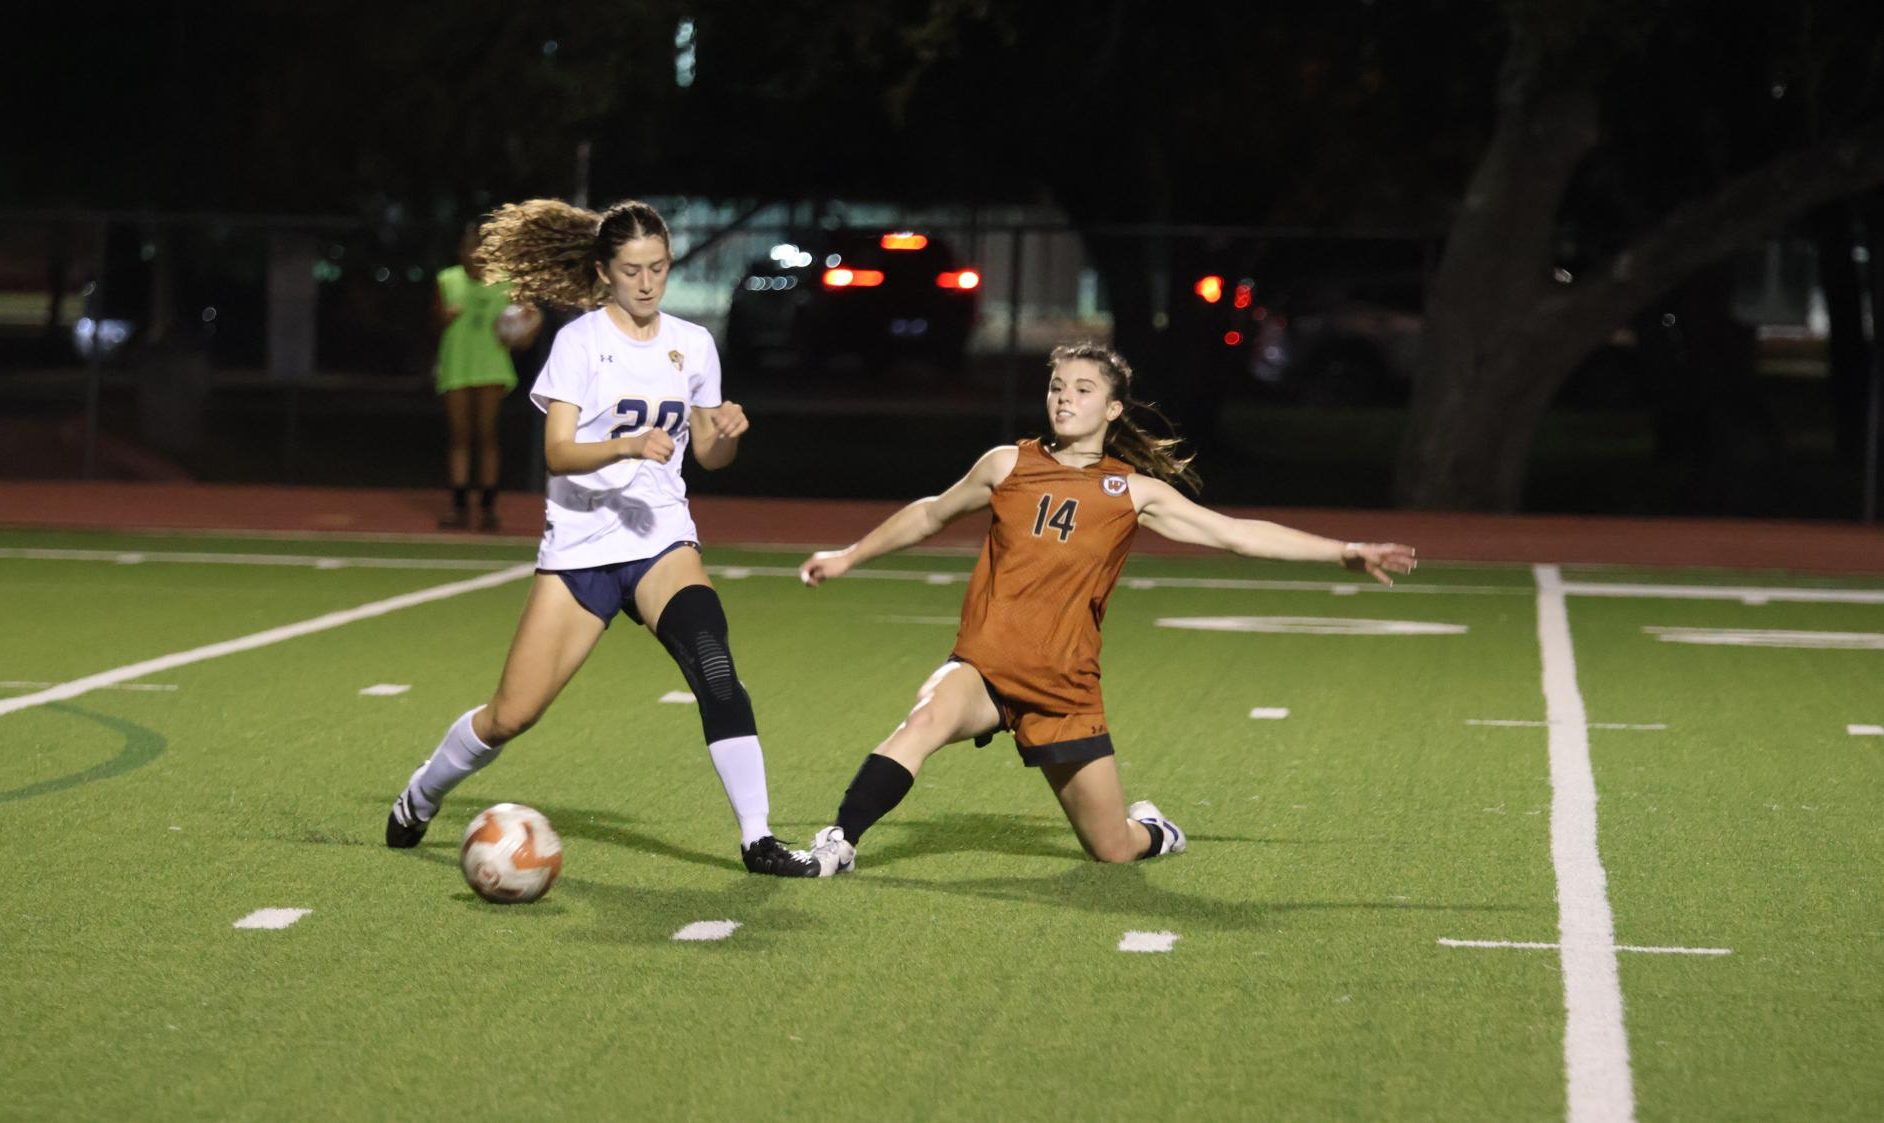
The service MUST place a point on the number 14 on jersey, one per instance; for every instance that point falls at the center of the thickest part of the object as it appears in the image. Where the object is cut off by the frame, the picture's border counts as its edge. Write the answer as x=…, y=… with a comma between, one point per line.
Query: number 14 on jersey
x=1061, y=519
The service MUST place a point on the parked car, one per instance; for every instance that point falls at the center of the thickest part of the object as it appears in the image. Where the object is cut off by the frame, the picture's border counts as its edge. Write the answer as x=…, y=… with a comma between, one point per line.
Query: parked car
x=869, y=296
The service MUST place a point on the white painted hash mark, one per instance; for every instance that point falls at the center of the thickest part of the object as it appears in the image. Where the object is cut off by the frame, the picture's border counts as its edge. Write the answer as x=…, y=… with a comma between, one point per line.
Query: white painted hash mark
x=1619, y=947
x=1269, y=713
x=1771, y=637
x=271, y=918
x=678, y=697
x=385, y=689
x=707, y=930
x=1311, y=625
x=1148, y=941
x=76, y=687
x=1598, y=1082
x=1865, y=730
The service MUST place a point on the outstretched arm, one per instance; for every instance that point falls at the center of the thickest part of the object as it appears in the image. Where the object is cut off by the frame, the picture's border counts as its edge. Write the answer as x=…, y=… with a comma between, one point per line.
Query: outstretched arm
x=1164, y=509
x=917, y=521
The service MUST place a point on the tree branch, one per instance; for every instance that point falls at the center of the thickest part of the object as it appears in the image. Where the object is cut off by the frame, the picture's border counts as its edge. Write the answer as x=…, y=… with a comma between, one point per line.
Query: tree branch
x=1703, y=231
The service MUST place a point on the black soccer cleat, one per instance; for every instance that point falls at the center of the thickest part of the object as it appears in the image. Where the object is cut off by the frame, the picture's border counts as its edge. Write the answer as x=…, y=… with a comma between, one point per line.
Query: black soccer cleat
x=770, y=856
x=404, y=828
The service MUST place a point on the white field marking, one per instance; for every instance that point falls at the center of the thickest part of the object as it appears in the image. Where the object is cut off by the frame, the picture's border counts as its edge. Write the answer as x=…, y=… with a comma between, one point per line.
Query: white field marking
x=1311, y=625
x=271, y=918
x=1598, y=1082
x=707, y=930
x=941, y=579
x=20, y=685
x=735, y=572
x=1865, y=730
x=1269, y=713
x=385, y=689
x=1724, y=592
x=678, y=697
x=1147, y=941
x=1345, y=590
x=916, y=619
x=1618, y=947
x=953, y=577
x=305, y=561
x=126, y=673
x=1771, y=637
x=1546, y=724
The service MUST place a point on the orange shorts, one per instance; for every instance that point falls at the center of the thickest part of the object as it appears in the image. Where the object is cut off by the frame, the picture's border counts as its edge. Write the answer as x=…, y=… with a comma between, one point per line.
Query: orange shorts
x=1043, y=737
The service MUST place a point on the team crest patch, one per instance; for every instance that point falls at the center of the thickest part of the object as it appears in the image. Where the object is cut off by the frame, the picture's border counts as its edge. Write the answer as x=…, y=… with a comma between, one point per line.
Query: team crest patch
x=1114, y=485
x=675, y=357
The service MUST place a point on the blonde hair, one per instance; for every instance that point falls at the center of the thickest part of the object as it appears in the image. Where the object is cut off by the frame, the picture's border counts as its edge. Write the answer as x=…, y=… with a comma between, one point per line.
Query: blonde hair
x=549, y=250
x=1126, y=438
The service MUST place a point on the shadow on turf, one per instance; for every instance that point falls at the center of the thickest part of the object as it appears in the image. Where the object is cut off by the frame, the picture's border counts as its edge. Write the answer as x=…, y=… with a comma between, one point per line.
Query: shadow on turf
x=1025, y=836
x=644, y=914
x=1123, y=891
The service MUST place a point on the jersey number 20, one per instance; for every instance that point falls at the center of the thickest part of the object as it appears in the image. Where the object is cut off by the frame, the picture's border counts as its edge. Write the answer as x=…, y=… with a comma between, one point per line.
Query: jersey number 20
x=634, y=414
x=1061, y=519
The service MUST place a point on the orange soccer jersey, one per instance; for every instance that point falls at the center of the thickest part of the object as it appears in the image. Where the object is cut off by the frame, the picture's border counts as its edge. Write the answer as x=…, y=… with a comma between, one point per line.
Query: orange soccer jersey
x=1030, y=621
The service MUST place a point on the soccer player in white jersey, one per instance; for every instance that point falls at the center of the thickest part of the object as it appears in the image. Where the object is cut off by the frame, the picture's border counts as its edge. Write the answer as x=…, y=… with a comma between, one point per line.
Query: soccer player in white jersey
x=626, y=389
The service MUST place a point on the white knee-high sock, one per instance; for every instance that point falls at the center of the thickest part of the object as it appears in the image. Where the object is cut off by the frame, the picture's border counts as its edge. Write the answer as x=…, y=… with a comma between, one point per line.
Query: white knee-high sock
x=741, y=765
x=457, y=756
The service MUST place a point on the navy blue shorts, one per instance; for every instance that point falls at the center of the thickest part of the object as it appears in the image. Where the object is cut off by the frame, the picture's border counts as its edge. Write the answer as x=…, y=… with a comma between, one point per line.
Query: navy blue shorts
x=608, y=589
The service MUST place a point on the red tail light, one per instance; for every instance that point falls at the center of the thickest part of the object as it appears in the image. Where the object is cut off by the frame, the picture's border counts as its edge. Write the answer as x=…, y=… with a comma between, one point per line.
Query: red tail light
x=966, y=279
x=1210, y=288
x=903, y=240
x=1232, y=338
x=1245, y=293
x=842, y=278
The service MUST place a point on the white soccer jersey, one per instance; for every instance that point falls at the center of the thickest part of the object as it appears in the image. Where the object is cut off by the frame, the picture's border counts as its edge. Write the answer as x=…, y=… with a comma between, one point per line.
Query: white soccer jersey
x=630, y=509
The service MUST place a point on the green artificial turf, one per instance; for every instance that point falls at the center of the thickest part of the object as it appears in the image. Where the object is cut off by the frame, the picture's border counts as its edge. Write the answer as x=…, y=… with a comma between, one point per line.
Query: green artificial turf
x=970, y=968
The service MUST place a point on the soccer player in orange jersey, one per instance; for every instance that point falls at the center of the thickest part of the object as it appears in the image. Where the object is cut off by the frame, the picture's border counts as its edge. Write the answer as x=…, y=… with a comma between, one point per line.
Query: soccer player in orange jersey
x=1026, y=658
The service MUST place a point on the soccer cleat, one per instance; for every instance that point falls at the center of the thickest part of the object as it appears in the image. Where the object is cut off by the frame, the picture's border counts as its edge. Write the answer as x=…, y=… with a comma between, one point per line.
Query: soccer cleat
x=769, y=855
x=404, y=828
x=833, y=852
x=1146, y=811
x=487, y=520
x=459, y=519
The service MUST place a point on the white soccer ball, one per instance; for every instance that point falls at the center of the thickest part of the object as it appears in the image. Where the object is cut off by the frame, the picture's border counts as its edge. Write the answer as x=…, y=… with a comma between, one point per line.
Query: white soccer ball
x=511, y=854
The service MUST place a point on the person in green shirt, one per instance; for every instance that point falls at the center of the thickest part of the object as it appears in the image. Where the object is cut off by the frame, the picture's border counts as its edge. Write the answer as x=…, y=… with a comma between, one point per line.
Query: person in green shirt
x=478, y=329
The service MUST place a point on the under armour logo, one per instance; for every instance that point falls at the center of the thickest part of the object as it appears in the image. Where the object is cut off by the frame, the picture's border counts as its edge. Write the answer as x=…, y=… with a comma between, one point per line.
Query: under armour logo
x=608, y=358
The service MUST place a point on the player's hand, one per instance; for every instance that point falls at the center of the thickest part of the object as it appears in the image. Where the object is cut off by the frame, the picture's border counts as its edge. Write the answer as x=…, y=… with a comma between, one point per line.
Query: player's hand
x=729, y=420
x=824, y=565
x=653, y=445
x=1379, y=559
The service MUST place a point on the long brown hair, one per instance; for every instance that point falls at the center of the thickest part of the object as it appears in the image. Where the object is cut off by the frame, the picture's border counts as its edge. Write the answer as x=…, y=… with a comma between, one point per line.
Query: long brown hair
x=1127, y=438
x=548, y=249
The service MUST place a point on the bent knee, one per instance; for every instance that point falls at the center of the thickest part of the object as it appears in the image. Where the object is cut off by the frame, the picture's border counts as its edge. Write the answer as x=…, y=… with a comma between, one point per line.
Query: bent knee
x=508, y=721
x=1114, y=851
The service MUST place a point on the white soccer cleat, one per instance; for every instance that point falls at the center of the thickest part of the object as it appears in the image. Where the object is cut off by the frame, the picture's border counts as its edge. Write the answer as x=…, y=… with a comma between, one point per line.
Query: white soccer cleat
x=833, y=852
x=1146, y=811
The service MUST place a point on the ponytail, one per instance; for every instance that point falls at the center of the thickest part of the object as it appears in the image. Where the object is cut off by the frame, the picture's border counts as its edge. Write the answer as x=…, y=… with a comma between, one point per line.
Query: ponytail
x=1127, y=438
x=549, y=250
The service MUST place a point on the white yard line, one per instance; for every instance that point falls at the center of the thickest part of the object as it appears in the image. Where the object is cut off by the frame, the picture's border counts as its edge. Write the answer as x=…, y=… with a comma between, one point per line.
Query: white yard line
x=1725, y=592
x=131, y=671
x=1524, y=944
x=23, y=685
x=1516, y=724
x=1759, y=594
x=1595, y=1043
x=305, y=561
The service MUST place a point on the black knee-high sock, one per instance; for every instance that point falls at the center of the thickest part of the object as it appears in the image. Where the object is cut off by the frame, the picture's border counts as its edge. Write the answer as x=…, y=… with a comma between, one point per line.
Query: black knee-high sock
x=879, y=786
